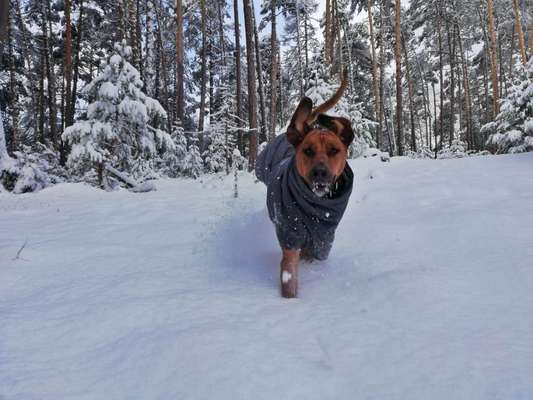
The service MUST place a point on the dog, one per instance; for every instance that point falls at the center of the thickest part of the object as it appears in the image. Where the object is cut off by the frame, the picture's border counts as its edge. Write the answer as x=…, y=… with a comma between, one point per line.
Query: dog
x=309, y=183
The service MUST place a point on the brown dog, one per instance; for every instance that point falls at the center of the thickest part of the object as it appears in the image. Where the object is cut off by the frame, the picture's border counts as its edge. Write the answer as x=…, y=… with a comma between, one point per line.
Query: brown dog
x=319, y=156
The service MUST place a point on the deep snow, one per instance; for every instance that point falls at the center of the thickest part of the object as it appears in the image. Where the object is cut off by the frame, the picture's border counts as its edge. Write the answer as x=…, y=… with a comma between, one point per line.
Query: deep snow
x=173, y=294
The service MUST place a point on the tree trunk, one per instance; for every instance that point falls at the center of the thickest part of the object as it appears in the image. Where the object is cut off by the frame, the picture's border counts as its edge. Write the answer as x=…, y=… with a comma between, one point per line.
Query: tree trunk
x=381, y=75
x=327, y=36
x=518, y=29
x=162, y=63
x=398, y=59
x=451, y=49
x=238, y=94
x=74, y=95
x=180, y=98
x=466, y=85
x=411, y=95
x=273, y=70
x=29, y=60
x=375, y=82
x=68, y=63
x=441, y=79
x=493, y=61
x=511, y=54
x=531, y=39
x=425, y=99
x=133, y=42
x=203, y=84
x=252, y=96
x=49, y=72
x=306, y=46
x=259, y=68
x=435, y=114
x=14, y=106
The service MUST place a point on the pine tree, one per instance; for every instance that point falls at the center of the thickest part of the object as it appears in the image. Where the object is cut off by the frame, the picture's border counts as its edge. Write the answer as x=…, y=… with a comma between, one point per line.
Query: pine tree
x=512, y=129
x=193, y=163
x=175, y=157
x=216, y=153
x=121, y=125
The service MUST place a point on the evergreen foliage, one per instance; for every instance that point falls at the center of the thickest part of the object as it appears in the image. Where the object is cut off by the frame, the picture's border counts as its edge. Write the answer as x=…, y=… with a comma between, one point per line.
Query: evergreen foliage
x=122, y=123
x=512, y=129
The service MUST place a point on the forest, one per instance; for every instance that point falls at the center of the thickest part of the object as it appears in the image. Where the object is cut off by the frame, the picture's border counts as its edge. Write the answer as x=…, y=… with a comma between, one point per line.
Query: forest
x=119, y=92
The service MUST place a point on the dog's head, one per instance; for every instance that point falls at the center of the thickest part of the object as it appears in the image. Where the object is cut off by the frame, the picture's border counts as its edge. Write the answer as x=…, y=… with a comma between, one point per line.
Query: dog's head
x=320, y=152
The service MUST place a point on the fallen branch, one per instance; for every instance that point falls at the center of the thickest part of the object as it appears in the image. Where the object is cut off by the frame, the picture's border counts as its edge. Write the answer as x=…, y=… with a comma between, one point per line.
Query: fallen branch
x=19, y=252
x=134, y=186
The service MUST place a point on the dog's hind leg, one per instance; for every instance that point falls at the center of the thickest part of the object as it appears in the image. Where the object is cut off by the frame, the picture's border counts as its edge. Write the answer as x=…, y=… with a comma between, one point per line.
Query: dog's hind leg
x=289, y=273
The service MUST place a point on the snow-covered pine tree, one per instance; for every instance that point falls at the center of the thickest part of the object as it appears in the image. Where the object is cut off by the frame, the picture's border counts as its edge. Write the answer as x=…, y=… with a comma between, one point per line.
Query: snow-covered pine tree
x=173, y=159
x=217, y=156
x=458, y=149
x=193, y=163
x=122, y=123
x=216, y=153
x=512, y=129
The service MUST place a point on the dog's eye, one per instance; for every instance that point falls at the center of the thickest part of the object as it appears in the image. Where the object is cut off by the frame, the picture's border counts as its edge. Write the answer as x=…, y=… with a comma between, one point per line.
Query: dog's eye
x=309, y=152
x=333, y=151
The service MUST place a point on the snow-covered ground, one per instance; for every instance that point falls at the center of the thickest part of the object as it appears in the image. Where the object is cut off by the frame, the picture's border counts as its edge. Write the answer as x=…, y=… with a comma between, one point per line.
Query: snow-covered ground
x=428, y=293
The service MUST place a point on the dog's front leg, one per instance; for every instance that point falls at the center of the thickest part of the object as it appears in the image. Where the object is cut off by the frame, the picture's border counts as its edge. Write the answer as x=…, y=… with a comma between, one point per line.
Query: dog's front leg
x=289, y=273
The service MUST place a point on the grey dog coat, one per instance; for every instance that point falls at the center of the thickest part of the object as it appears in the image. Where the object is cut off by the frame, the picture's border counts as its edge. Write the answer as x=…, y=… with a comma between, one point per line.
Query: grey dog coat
x=302, y=219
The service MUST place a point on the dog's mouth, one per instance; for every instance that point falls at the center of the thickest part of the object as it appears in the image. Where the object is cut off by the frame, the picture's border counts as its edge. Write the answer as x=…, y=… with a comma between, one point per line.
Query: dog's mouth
x=321, y=188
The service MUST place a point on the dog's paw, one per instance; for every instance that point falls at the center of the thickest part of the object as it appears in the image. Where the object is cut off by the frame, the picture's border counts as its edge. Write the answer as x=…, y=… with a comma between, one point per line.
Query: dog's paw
x=289, y=285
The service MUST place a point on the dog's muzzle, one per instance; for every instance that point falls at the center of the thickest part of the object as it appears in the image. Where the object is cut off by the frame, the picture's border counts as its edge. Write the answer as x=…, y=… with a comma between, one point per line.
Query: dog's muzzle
x=321, y=180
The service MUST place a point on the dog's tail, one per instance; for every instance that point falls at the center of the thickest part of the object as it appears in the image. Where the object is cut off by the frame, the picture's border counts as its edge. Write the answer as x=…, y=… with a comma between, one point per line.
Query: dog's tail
x=328, y=104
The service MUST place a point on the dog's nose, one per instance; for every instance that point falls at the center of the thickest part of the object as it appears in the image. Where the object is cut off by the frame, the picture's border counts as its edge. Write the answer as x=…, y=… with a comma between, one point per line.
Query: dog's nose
x=319, y=172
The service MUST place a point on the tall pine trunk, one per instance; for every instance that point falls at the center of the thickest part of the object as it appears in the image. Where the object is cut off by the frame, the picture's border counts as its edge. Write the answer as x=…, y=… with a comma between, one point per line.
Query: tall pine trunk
x=79, y=34
x=238, y=89
x=398, y=59
x=493, y=59
x=518, y=29
x=180, y=98
x=68, y=63
x=12, y=80
x=203, y=83
x=451, y=50
x=375, y=81
x=327, y=35
x=441, y=81
x=259, y=68
x=273, y=70
x=50, y=76
x=411, y=95
x=466, y=85
x=252, y=95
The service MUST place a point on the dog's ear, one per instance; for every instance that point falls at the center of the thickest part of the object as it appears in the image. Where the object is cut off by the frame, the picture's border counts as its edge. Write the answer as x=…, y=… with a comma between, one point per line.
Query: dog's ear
x=342, y=127
x=298, y=127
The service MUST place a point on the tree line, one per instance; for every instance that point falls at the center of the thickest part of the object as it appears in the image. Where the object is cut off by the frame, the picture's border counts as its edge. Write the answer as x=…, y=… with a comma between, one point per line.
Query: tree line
x=421, y=77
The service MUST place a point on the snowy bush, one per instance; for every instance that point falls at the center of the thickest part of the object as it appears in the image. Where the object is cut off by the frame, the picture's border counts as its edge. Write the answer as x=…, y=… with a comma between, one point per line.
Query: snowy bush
x=373, y=152
x=31, y=169
x=121, y=126
x=216, y=153
x=421, y=153
x=458, y=149
x=512, y=130
x=174, y=158
x=193, y=163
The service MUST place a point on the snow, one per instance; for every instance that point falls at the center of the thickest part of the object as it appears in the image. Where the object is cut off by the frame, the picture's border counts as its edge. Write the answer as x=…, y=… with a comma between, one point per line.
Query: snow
x=174, y=294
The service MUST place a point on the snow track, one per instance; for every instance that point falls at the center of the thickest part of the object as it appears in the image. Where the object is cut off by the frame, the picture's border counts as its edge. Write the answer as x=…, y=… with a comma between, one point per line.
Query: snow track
x=428, y=292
